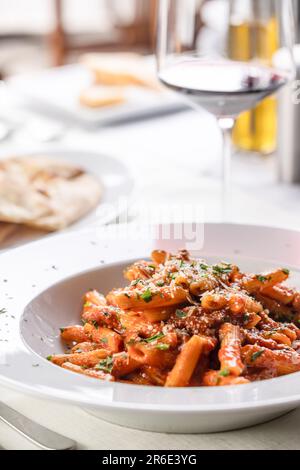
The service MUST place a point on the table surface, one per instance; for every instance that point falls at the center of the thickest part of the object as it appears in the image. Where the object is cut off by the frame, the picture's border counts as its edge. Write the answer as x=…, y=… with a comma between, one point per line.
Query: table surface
x=176, y=159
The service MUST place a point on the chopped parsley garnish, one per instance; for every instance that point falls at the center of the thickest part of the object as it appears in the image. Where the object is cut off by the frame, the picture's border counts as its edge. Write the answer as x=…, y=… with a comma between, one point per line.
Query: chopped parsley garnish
x=256, y=355
x=163, y=347
x=134, y=283
x=62, y=330
x=286, y=271
x=106, y=364
x=160, y=283
x=180, y=264
x=153, y=338
x=203, y=266
x=49, y=358
x=94, y=323
x=224, y=373
x=246, y=317
x=261, y=278
x=2, y=311
x=147, y=295
x=180, y=313
x=87, y=304
x=127, y=295
x=222, y=268
x=151, y=266
x=104, y=340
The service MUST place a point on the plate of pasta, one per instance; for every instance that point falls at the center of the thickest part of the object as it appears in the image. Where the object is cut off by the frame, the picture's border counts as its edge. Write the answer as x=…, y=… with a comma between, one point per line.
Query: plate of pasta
x=146, y=334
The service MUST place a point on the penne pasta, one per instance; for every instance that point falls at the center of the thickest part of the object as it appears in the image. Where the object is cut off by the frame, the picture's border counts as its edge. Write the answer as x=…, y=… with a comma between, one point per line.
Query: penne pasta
x=283, y=361
x=102, y=315
x=230, y=350
x=84, y=347
x=186, y=362
x=146, y=354
x=123, y=365
x=147, y=298
x=279, y=293
x=258, y=282
x=154, y=315
x=216, y=379
x=181, y=322
x=94, y=298
x=84, y=359
x=140, y=270
x=73, y=334
x=107, y=338
x=159, y=256
x=88, y=372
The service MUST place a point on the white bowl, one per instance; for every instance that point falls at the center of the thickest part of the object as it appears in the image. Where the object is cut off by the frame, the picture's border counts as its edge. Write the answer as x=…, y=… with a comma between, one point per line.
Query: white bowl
x=41, y=286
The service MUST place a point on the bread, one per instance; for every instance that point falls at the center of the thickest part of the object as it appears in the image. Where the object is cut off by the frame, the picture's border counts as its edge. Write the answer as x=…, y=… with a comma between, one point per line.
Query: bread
x=45, y=193
x=6, y=230
x=102, y=96
x=119, y=69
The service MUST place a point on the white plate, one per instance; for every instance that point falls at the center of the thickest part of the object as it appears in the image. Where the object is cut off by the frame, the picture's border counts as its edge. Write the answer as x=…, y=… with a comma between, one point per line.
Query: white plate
x=57, y=90
x=114, y=176
x=41, y=285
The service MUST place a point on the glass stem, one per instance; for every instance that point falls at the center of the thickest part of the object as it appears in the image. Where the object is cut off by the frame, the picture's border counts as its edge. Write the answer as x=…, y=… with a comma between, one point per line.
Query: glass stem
x=226, y=126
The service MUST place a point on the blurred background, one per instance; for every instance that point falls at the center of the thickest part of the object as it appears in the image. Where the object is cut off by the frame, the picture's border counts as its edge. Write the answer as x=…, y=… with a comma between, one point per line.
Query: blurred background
x=41, y=33
x=48, y=33
x=52, y=97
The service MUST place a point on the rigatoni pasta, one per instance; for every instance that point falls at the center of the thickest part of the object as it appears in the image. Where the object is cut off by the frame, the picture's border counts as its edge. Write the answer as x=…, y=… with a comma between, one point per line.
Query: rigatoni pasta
x=181, y=322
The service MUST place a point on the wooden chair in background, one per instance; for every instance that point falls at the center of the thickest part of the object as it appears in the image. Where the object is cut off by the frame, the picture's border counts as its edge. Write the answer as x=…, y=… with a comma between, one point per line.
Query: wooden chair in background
x=138, y=36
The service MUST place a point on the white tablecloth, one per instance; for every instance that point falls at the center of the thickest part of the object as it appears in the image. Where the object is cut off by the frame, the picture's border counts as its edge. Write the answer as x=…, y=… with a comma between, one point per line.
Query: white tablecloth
x=175, y=158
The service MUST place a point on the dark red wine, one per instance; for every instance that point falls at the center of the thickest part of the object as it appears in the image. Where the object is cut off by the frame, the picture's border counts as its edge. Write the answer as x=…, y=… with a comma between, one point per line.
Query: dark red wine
x=224, y=88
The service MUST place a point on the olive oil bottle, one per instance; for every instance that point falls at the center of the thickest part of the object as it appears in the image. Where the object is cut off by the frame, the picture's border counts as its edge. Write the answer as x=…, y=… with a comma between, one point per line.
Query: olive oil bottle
x=254, y=35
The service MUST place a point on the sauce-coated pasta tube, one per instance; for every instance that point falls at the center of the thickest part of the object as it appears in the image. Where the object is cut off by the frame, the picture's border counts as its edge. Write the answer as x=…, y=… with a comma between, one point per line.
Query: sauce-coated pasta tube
x=283, y=361
x=157, y=314
x=127, y=299
x=84, y=347
x=96, y=374
x=214, y=378
x=257, y=282
x=149, y=355
x=106, y=315
x=73, y=334
x=123, y=364
x=85, y=359
x=230, y=350
x=94, y=298
x=140, y=270
x=108, y=339
x=282, y=294
x=186, y=362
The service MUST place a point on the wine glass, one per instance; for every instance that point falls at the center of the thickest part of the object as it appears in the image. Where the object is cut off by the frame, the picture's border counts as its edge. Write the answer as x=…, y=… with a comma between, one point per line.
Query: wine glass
x=225, y=56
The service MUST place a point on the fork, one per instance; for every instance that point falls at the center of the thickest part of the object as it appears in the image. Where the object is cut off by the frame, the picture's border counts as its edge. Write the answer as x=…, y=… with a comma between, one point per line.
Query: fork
x=37, y=434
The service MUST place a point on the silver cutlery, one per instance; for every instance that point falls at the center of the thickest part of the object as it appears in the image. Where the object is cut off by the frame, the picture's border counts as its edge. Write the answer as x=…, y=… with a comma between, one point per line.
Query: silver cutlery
x=37, y=434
